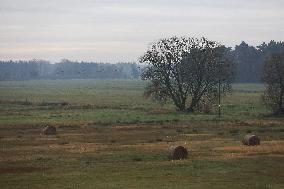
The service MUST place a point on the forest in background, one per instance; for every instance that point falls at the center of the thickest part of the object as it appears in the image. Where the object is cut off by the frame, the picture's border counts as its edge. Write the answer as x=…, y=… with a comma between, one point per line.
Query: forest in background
x=41, y=69
x=248, y=60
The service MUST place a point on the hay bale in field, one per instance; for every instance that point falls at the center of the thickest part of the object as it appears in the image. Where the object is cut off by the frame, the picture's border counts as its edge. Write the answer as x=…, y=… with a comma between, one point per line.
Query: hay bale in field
x=251, y=140
x=49, y=130
x=177, y=153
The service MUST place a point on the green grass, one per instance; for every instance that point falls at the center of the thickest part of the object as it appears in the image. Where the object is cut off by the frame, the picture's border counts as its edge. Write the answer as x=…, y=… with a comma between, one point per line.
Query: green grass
x=106, y=93
x=109, y=102
x=110, y=136
x=189, y=174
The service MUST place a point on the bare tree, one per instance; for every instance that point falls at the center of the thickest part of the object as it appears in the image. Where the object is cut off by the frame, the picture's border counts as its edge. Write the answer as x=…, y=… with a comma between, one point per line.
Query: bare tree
x=273, y=76
x=186, y=71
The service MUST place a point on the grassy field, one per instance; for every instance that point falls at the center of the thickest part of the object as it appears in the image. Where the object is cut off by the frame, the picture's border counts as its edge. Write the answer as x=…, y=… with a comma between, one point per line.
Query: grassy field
x=109, y=136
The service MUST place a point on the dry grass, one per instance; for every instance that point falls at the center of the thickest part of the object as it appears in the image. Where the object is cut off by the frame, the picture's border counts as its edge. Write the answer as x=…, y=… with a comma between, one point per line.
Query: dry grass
x=263, y=122
x=122, y=141
x=270, y=148
x=143, y=147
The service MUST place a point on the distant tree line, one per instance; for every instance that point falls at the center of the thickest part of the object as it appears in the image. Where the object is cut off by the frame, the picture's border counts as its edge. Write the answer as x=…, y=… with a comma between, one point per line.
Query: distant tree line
x=41, y=69
x=248, y=60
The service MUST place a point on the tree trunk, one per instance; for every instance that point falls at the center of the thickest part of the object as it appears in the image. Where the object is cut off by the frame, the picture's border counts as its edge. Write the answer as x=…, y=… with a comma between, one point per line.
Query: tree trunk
x=195, y=99
x=192, y=105
x=280, y=104
x=180, y=106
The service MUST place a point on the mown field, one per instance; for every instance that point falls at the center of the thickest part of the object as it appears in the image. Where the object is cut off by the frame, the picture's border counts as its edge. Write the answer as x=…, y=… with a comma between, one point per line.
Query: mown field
x=109, y=136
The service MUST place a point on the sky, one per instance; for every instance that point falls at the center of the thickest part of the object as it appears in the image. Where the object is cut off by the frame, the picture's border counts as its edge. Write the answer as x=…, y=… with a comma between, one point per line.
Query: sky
x=122, y=30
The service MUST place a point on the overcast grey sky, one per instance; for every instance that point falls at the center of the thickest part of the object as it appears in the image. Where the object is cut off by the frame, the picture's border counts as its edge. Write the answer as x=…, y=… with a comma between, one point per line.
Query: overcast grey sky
x=121, y=30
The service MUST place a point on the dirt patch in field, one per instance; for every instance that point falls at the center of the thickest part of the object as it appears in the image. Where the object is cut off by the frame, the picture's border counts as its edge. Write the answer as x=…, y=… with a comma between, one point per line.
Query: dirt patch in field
x=197, y=134
x=69, y=147
x=127, y=127
x=135, y=126
x=148, y=146
x=79, y=147
x=31, y=153
x=141, y=126
x=264, y=122
x=268, y=148
x=47, y=138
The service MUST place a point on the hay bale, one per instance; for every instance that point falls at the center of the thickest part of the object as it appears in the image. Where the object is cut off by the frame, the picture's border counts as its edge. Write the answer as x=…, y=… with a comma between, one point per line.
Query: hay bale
x=49, y=130
x=251, y=140
x=177, y=153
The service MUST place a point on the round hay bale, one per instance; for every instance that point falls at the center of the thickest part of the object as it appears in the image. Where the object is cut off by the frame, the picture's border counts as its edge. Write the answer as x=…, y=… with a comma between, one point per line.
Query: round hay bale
x=49, y=130
x=177, y=153
x=251, y=140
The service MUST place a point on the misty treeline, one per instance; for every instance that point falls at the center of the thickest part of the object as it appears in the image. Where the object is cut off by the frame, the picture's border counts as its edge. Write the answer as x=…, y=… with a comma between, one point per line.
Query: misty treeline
x=248, y=60
x=66, y=69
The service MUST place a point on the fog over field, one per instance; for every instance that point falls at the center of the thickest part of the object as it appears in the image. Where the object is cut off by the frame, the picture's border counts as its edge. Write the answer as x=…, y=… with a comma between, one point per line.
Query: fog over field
x=113, y=31
x=126, y=94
